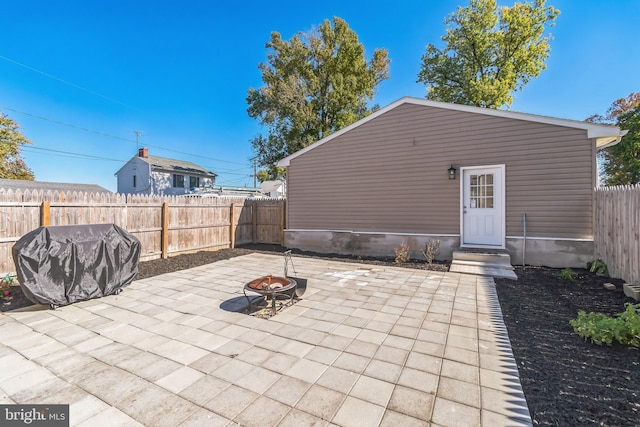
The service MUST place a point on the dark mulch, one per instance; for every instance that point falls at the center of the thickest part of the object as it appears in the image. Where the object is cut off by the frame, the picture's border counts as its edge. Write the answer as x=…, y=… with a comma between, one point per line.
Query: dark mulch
x=569, y=381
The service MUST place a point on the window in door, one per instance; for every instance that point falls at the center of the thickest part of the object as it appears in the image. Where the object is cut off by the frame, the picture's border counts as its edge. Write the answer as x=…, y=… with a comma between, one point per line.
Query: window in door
x=481, y=191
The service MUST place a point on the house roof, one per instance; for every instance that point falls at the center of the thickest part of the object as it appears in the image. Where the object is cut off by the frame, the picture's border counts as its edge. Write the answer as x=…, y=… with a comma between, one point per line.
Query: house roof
x=173, y=165
x=15, y=184
x=269, y=186
x=605, y=135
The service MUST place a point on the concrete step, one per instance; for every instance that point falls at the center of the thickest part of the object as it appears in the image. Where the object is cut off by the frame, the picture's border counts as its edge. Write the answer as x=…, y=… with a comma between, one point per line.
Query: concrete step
x=484, y=271
x=495, y=264
x=493, y=257
x=485, y=264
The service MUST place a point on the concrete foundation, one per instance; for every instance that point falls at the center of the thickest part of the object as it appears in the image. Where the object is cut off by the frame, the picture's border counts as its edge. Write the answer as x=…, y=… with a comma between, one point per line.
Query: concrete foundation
x=551, y=253
x=541, y=252
x=366, y=244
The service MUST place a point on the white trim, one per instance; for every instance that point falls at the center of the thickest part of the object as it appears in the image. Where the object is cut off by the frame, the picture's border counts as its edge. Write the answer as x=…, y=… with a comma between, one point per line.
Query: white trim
x=607, y=142
x=314, y=229
x=503, y=204
x=293, y=230
x=605, y=135
x=563, y=239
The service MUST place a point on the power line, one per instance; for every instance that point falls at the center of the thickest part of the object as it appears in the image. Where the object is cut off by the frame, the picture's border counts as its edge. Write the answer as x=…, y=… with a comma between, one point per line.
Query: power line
x=64, y=81
x=67, y=124
x=70, y=154
x=137, y=133
x=114, y=136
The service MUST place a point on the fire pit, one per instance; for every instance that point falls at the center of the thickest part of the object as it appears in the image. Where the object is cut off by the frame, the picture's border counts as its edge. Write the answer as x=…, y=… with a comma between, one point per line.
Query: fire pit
x=271, y=287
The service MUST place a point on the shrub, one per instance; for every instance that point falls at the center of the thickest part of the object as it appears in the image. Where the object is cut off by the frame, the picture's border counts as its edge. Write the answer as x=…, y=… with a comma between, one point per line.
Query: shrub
x=402, y=253
x=5, y=288
x=599, y=267
x=602, y=329
x=431, y=249
x=567, y=274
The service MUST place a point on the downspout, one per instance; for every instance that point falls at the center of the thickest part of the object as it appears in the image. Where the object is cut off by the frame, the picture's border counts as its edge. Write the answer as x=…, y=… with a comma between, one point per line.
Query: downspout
x=150, y=180
x=524, y=238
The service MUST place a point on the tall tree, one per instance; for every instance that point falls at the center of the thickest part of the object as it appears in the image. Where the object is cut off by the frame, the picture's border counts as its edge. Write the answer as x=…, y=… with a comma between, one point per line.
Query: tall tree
x=12, y=166
x=490, y=53
x=314, y=84
x=620, y=164
x=272, y=173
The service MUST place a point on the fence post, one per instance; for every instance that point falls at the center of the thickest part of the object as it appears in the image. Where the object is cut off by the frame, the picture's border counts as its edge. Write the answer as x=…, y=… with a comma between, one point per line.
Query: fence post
x=164, y=244
x=232, y=222
x=45, y=214
x=283, y=221
x=254, y=222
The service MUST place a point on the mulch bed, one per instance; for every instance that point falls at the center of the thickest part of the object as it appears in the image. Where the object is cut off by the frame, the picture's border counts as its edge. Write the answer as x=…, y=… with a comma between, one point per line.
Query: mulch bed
x=567, y=381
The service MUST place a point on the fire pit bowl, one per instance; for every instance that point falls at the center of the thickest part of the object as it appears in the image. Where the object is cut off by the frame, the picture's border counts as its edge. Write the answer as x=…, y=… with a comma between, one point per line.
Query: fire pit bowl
x=271, y=287
x=271, y=283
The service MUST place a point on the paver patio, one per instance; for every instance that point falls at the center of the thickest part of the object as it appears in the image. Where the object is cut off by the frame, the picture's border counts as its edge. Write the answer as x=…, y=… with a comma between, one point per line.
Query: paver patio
x=365, y=346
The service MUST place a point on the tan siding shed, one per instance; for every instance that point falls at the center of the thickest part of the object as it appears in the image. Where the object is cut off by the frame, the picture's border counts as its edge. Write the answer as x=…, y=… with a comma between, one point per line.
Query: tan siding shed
x=389, y=174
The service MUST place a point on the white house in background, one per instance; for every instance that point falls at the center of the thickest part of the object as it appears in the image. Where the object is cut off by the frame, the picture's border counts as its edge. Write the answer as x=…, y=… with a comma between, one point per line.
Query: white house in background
x=145, y=174
x=273, y=189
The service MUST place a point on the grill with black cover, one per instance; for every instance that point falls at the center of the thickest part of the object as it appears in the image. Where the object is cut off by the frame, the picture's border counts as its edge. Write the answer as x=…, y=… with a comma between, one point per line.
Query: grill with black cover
x=60, y=265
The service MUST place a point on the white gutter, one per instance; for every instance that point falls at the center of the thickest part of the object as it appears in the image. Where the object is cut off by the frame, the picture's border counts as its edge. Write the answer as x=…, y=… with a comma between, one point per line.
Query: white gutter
x=610, y=141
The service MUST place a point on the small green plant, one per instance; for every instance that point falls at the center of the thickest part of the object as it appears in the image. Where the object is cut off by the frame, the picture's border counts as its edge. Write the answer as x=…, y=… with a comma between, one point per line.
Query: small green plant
x=431, y=250
x=602, y=329
x=402, y=253
x=5, y=288
x=567, y=274
x=599, y=267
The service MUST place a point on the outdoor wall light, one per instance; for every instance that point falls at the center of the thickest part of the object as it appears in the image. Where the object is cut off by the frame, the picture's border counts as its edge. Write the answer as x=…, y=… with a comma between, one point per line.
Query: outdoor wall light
x=452, y=172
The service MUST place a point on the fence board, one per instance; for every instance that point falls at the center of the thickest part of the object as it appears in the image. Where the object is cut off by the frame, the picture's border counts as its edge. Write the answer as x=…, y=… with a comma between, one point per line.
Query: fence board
x=617, y=230
x=193, y=223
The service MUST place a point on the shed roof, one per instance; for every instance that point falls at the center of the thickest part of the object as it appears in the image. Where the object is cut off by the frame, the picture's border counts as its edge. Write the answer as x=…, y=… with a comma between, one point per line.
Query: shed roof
x=605, y=135
x=15, y=184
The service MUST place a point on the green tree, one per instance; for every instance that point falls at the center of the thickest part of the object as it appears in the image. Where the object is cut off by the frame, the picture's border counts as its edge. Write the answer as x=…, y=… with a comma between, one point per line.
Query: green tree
x=490, y=53
x=620, y=164
x=314, y=84
x=271, y=174
x=12, y=166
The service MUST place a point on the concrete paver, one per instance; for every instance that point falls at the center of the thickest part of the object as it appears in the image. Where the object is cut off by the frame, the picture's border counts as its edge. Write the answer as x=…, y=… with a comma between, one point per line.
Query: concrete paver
x=366, y=345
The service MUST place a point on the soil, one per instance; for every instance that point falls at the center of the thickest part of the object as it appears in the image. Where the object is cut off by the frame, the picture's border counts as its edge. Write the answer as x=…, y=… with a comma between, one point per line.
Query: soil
x=567, y=381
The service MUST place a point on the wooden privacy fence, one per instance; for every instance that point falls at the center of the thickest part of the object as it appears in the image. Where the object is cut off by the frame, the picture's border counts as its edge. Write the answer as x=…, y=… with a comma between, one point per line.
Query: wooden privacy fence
x=165, y=226
x=617, y=230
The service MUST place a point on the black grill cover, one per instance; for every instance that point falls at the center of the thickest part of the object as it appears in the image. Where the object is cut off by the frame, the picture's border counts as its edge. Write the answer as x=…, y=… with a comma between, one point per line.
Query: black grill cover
x=60, y=265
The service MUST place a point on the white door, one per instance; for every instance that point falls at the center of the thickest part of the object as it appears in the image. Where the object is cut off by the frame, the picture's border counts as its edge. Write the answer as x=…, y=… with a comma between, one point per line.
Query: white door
x=483, y=206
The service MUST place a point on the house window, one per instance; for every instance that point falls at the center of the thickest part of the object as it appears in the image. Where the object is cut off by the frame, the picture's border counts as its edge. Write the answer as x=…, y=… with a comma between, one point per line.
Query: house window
x=194, y=181
x=482, y=191
x=134, y=181
x=178, y=181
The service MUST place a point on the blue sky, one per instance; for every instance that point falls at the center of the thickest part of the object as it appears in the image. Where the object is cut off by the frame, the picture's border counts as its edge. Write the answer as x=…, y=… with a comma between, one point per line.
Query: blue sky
x=179, y=72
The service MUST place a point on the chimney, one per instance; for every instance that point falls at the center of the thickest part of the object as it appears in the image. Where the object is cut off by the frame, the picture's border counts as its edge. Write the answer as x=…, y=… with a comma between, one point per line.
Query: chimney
x=143, y=152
